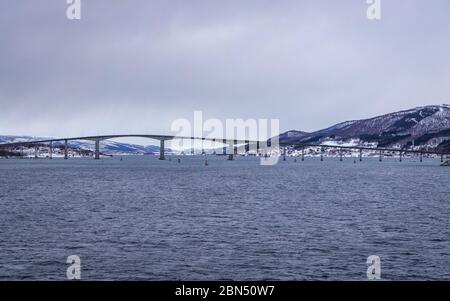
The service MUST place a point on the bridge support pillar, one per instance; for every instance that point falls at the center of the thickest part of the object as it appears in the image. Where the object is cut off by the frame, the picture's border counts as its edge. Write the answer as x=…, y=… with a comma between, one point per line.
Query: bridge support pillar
x=360, y=155
x=381, y=156
x=97, y=150
x=203, y=146
x=50, y=155
x=247, y=147
x=442, y=158
x=65, y=149
x=231, y=150
x=161, y=150
x=340, y=154
x=224, y=148
x=36, y=152
x=303, y=154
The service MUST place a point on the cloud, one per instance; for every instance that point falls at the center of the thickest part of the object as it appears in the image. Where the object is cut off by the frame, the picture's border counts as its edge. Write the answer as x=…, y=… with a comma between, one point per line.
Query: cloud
x=136, y=66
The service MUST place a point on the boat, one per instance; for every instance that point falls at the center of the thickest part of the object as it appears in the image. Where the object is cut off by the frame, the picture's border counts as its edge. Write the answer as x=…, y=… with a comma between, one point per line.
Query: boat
x=446, y=163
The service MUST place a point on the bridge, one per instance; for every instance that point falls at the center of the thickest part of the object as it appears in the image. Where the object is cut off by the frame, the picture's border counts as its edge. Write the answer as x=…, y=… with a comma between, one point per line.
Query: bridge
x=230, y=147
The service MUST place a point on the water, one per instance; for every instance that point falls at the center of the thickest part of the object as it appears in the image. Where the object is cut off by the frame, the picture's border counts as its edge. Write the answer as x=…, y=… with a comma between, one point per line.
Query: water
x=142, y=218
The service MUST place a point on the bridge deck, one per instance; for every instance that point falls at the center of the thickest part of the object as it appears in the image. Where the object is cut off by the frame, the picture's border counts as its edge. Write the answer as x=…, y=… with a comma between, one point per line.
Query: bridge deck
x=224, y=141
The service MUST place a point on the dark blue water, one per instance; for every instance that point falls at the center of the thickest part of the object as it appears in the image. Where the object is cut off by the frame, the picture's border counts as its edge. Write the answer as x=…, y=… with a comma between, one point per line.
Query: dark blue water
x=142, y=218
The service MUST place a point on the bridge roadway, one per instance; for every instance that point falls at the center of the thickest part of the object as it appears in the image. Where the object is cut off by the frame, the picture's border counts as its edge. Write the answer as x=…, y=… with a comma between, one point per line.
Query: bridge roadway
x=231, y=143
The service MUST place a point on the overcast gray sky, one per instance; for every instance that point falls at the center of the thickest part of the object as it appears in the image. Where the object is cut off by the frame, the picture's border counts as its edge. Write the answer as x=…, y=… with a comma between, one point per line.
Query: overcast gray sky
x=133, y=66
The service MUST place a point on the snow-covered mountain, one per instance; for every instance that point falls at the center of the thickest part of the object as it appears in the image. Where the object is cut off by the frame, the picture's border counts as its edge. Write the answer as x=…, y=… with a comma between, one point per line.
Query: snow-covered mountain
x=107, y=146
x=426, y=127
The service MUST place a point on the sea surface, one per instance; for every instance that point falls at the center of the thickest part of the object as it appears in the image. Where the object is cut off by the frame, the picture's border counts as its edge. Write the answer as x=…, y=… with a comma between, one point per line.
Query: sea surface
x=145, y=219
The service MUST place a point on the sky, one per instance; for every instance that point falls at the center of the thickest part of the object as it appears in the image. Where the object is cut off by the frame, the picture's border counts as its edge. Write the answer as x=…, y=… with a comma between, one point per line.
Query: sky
x=136, y=66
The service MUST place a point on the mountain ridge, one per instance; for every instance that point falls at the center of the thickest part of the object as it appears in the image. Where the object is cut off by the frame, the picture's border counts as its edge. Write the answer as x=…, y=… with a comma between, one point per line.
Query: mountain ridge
x=424, y=126
x=107, y=147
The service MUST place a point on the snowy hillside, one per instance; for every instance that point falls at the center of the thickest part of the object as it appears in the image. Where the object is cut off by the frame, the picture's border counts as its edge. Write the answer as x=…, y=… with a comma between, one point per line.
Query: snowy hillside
x=427, y=126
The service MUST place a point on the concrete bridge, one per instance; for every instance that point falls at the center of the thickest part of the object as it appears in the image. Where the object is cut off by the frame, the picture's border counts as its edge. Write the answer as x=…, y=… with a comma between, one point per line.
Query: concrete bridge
x=230, y=146
x=230, y=150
